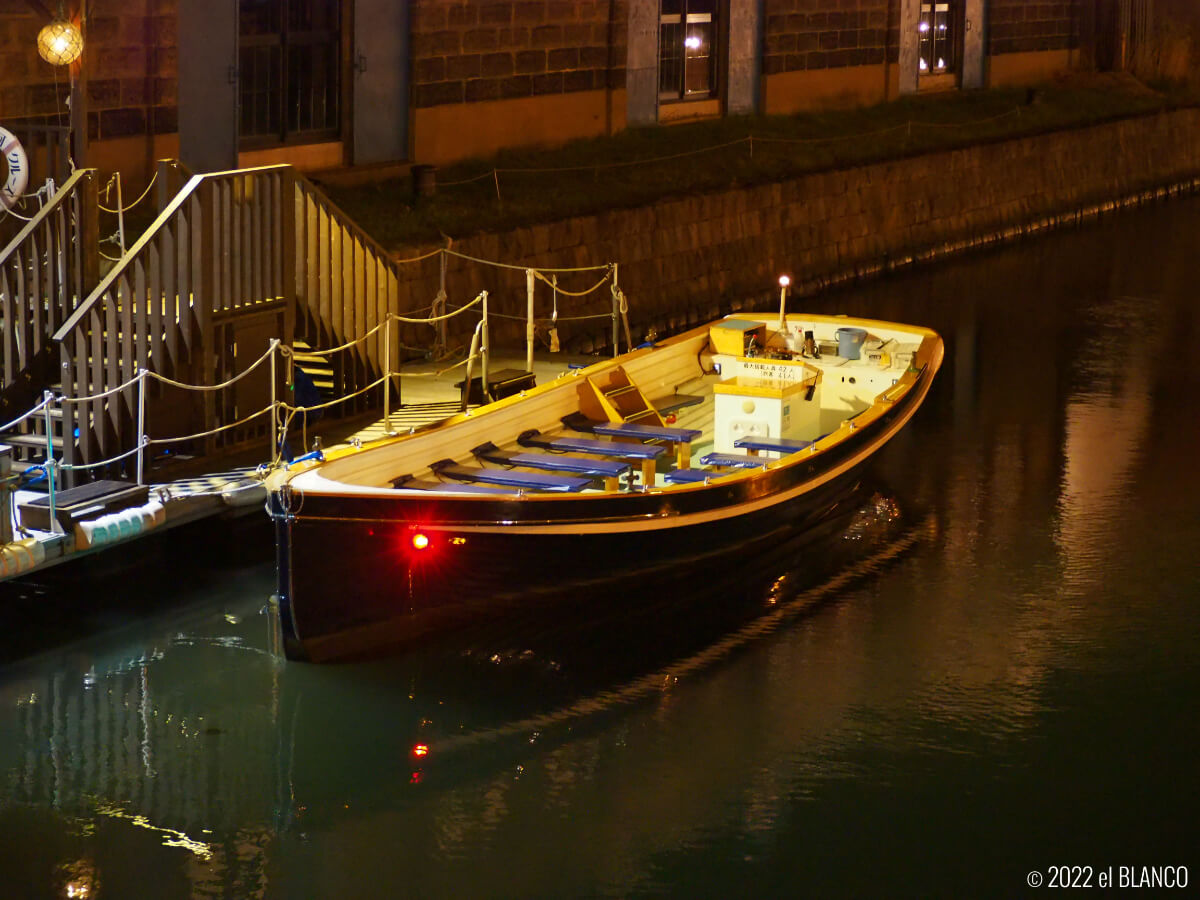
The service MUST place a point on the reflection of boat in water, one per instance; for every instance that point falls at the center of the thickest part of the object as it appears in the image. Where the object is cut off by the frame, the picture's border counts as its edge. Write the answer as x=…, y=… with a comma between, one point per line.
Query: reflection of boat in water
x=779, y=599
x=204, y=741
x=477, y=699
x=709, y=445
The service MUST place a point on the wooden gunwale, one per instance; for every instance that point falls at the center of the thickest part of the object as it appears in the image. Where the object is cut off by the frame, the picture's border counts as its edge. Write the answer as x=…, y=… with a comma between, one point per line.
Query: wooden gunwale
x=727, y=494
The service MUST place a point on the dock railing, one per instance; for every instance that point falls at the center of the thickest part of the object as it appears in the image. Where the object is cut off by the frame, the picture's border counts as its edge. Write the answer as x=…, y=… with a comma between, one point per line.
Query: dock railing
x=212, y=277
x=236, y=263
x=45, y=270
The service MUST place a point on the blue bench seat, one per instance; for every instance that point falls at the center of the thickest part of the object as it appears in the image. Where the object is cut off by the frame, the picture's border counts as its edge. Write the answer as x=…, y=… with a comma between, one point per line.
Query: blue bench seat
x=756, y=443
x=676, y=402
x=608, y=469
x=646, y=432
x=646, y=453
x=734, y=460
x=597, y=468
x=690, y=476
x=615, y=449
x=531, y=481
x=681, y=437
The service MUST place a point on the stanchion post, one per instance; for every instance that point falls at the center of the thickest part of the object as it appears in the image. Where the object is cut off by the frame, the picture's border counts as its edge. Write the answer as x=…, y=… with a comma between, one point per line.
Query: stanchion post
x=47, y=396
x=304, y=420
x=529, y=279
x=141, y=429
x=616, y=311
x=440, y=306
x=387, y=375
x=623, y=307
x=274, y=402
x=483, y=352
x=120, y=214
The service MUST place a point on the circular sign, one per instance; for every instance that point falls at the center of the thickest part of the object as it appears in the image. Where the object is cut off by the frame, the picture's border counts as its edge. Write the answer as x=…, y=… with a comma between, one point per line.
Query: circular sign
x=18, y=169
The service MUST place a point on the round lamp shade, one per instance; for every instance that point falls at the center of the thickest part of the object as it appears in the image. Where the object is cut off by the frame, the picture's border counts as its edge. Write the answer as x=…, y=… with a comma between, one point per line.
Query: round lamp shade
x=60, y=43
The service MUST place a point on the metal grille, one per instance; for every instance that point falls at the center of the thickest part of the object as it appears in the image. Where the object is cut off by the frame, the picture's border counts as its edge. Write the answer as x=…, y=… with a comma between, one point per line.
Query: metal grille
x=289, y=69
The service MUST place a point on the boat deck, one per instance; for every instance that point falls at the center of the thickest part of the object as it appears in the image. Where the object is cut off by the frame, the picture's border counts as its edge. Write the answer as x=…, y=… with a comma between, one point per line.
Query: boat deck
x=726, y=401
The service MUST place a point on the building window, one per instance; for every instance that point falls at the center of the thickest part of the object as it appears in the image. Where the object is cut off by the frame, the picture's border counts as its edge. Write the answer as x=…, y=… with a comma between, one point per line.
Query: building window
x=935, y=50
x=687, y=49
x=289, y=60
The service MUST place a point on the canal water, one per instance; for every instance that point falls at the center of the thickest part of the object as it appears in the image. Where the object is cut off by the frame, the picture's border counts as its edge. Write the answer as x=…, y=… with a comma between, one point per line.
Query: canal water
x=986, y=676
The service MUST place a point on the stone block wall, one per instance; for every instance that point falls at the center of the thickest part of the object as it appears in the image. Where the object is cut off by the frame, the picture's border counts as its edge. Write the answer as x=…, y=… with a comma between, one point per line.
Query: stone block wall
x=802, y=35
x=468, y=51
x=683, y=260
x=132, y=73
x=1019, y=26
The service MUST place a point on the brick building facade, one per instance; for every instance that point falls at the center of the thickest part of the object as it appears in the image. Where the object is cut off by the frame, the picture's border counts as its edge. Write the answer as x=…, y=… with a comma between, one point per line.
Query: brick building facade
x=332, y=83
x=130, y=80
x=486, y=73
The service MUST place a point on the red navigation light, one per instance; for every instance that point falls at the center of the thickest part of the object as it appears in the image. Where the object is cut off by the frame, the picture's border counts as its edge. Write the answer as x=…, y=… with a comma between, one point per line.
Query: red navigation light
x=421, y=750
x=420, y=540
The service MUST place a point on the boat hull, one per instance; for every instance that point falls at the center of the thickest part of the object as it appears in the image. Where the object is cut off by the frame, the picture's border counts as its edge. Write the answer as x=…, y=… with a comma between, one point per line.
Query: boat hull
x=353, y=582
x=352, y=588
x=364, y=568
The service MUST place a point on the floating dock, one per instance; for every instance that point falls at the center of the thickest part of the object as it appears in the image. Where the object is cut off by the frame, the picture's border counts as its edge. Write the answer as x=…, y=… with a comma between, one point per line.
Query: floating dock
x=104, y=515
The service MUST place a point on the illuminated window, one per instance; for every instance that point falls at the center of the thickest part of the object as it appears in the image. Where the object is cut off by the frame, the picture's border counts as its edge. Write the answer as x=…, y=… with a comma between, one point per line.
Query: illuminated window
x=687, y=49
x=289, y=70
x=935, y=52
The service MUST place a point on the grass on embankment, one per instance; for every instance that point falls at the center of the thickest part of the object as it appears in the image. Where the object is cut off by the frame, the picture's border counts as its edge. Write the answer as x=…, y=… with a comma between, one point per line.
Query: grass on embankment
x=642, y=165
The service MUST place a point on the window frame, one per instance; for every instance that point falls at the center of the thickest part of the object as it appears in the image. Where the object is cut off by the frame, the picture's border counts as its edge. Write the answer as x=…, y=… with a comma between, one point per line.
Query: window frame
x=286, y=39
x=716, y=19
x=948, y=74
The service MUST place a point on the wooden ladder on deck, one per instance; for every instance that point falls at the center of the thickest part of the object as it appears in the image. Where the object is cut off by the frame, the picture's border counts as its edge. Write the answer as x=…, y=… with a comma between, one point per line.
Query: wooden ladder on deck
x=620, y=400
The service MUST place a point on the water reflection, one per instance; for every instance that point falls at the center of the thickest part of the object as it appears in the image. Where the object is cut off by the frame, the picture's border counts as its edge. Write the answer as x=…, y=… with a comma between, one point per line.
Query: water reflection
x=207, y=743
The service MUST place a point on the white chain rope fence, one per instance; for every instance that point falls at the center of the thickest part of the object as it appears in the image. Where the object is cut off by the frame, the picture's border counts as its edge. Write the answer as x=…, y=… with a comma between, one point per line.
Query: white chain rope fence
x=907, y=127
x=118, y=237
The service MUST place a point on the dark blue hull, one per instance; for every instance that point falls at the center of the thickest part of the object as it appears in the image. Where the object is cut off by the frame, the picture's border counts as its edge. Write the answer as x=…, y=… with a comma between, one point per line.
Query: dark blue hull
x=365, y=588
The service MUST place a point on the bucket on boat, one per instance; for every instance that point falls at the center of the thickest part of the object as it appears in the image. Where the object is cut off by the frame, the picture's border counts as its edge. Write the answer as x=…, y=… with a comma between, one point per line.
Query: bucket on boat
x=850, y=341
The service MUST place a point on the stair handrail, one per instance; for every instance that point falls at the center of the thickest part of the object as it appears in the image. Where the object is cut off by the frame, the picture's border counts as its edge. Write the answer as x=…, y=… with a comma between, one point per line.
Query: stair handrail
x=61, y=196
x=167, y=173
x=310, y=189
x=163, y=304
x=56, y=252
x=130, y=256
x=325, y=306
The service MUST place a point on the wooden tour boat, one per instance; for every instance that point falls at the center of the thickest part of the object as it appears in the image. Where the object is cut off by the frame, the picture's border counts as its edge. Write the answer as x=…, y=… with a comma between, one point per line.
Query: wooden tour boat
x=708, y=444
